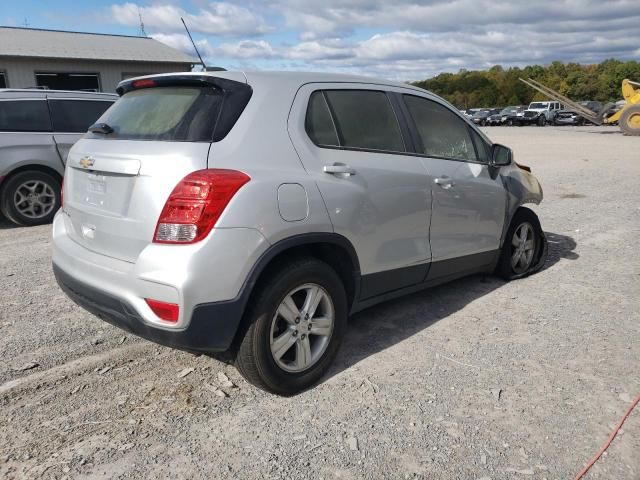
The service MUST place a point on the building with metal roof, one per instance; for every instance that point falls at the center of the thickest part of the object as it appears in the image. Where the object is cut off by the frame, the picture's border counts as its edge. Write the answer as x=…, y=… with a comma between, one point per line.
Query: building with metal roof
x=64, y=60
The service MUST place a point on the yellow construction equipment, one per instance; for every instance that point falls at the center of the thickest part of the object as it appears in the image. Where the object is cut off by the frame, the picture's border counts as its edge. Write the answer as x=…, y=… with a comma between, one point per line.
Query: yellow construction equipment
x=628, y=118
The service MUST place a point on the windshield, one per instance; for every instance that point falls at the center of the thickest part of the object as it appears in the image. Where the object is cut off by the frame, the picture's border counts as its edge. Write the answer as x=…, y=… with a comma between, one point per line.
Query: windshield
x=164, y=113
x=481, y=113
x=538, y=105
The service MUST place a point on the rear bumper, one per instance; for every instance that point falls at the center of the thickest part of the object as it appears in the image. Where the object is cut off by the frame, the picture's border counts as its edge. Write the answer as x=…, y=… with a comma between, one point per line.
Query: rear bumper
x=206, y=280
x=211, y=329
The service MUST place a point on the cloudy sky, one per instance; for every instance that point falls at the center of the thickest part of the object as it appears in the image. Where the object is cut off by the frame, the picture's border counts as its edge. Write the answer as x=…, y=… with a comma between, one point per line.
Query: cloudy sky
x=398, y=39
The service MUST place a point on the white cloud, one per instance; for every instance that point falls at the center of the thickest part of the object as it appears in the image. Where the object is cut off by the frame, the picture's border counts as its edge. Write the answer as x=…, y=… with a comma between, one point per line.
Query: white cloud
x=217, y=18
x=404, y=39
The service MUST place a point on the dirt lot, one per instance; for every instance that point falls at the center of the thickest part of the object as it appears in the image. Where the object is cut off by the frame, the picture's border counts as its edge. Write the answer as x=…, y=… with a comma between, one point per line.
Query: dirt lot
x=478, y=379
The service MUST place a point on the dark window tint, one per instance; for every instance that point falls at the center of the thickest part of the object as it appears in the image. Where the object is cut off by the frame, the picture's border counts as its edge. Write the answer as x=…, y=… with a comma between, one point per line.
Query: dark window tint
x=318, y=122
x=76, y=115
x=442, y=133
x=482, y=149
x=3, y=80
x=365, y=119
x=24, y=116
x=185, y=114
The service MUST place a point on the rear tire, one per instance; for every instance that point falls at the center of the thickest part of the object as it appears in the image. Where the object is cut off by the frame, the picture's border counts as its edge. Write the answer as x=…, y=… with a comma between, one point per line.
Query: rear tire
x=630, y=120
x=280, y=352
x=525, y=247
x=30, y=198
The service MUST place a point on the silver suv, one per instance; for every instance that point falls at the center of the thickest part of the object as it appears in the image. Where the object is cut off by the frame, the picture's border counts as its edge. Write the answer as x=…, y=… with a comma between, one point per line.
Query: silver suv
x=254, y=212
x=37, y=129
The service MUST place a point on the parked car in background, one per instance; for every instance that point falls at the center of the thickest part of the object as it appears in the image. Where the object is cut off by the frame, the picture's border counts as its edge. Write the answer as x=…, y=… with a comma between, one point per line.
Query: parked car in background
x=481, y=116
x=253, y=212
x=570, y=117
x=539, y=113
x=470, y=112
x=504, y=115
x=37, y=129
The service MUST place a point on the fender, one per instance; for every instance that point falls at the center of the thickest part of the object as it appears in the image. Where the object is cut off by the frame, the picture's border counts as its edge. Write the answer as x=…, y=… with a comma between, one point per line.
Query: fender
x=297, y=241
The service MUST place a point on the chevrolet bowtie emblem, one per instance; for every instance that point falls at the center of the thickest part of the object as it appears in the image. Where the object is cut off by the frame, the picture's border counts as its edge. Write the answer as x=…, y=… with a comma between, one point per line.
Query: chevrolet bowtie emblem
x=87, y=162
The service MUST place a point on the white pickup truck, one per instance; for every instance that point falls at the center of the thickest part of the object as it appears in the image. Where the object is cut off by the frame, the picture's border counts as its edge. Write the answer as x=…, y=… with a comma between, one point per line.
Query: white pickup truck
x=540, y=113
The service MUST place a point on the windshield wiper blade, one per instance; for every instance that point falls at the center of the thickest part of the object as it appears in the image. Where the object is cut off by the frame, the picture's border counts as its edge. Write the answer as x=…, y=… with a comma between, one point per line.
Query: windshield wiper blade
x=101, y=128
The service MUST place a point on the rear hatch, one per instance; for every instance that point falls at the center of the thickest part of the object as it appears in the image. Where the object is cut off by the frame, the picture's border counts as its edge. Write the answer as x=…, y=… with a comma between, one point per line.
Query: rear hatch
x=121, y=173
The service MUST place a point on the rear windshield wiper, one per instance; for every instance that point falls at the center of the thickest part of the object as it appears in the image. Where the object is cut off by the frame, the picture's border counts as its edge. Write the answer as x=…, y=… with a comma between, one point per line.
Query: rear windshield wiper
x=101, y=128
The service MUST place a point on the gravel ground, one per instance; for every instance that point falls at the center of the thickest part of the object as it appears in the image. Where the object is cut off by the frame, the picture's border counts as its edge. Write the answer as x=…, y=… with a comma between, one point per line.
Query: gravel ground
x=477, y=379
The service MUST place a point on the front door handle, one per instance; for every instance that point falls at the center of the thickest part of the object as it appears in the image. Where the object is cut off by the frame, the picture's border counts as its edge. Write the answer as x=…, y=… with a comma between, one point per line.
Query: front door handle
x=445, y=182
x=339, y=168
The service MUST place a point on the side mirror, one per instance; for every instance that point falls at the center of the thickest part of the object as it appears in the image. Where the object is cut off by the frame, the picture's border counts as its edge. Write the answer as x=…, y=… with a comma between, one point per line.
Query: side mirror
x=501, y=155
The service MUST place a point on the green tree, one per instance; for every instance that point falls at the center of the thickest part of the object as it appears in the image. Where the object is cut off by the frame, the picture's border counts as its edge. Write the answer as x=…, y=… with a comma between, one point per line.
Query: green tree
x=500, y=87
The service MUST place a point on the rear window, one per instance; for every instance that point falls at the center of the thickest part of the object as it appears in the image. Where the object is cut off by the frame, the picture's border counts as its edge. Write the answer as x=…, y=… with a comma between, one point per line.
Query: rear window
x=319, y=123
x=186, y=114
x=24, y=116
x=365, y=119
x=76, y=116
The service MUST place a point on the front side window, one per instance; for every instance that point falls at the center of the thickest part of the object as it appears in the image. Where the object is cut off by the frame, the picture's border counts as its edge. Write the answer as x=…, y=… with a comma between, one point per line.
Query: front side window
x=24, y=116
x=76, y=116
x=3, y=80
x=482, y=149
x=365, y=119
x=442, y=133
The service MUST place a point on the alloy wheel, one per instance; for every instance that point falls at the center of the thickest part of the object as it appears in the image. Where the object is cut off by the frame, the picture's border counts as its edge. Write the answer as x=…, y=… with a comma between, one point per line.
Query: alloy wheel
x=524, y=246
x=34, y=199
x=301, y=328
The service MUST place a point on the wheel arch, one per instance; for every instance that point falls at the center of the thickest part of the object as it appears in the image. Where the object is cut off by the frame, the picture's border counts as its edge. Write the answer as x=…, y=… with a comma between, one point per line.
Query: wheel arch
x=331, y=248
x=33, y=167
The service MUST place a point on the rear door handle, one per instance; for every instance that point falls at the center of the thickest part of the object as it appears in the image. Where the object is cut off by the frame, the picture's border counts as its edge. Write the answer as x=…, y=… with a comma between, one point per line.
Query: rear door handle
x=445, y=182
x=337, y=168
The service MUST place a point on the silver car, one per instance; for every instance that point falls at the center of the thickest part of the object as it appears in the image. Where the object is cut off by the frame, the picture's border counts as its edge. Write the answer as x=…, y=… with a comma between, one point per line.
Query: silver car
x=254, y=212
x=37, y=129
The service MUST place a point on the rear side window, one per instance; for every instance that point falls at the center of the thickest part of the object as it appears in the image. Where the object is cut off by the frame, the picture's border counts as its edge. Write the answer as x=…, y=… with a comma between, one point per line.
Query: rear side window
x=365, y=119
x=76, y=116
x=442, y=133
x=24, y=116
x=186, y=114
x=318, y=123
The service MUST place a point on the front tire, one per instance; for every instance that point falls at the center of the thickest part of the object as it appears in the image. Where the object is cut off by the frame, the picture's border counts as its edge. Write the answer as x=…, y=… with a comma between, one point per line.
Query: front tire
x=525, y=247
x=542, y=121
x=30, y=198
x=630, y=120
x=295, y=327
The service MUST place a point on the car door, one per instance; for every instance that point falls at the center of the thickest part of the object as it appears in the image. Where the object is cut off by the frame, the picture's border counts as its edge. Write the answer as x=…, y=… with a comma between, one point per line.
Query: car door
x=469, y=200
x=71, y=117
x=351, y=141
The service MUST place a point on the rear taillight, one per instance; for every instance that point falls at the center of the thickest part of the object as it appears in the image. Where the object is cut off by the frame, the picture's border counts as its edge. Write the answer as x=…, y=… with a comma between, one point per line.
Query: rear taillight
x=196, y=203
x=163, y=310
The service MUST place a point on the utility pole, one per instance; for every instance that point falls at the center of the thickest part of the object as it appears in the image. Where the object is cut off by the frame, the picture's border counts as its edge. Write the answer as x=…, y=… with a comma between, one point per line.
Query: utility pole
x=142, y=33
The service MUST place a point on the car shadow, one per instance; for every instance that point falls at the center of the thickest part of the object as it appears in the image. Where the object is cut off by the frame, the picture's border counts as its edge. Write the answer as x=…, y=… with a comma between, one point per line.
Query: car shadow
x=380, y=327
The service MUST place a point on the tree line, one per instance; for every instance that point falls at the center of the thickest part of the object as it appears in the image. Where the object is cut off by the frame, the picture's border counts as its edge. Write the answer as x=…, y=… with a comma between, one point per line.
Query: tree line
x=500, y=87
